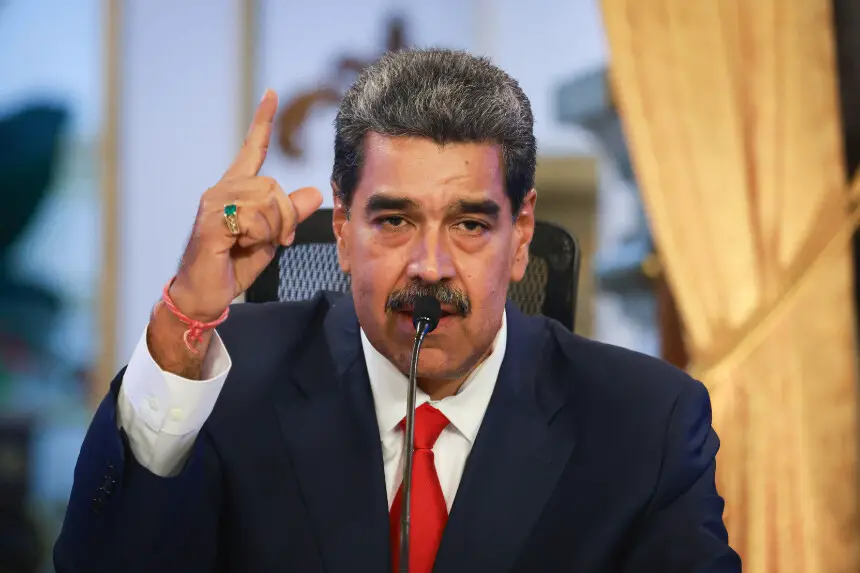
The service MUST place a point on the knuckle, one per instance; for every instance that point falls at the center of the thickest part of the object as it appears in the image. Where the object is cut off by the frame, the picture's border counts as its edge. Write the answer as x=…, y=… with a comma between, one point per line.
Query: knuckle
x=218, y=193
x=261, y=224
x=259, y=221
x=269, y=183
x=204, y=208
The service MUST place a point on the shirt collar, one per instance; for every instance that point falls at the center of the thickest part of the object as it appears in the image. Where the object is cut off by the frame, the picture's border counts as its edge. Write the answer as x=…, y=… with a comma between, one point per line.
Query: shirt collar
x=465, y=410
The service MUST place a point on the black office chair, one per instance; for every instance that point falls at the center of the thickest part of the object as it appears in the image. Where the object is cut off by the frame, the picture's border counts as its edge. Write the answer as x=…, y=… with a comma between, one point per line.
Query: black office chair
x=310, y=265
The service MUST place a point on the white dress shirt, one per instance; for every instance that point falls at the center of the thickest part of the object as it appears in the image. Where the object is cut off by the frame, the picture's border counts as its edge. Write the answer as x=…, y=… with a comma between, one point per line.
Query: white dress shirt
x=162, y=413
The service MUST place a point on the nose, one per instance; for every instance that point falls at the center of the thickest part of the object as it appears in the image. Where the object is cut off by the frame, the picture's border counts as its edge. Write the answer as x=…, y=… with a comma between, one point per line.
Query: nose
x=430, y=260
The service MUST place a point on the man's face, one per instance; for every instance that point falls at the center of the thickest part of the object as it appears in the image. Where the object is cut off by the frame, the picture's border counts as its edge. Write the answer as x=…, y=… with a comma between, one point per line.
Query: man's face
x=437, y=218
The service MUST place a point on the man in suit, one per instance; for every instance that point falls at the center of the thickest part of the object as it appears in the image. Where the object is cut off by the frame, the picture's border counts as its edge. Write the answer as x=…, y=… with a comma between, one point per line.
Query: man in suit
x=275, y=443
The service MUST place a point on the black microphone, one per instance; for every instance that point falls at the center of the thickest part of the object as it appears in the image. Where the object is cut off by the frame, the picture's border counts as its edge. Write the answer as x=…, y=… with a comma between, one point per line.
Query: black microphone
x=425, y=318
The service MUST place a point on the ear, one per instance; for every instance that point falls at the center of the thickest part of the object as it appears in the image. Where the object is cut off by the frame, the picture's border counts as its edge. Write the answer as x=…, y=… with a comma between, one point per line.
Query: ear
x=524, y=230
x=340, y=225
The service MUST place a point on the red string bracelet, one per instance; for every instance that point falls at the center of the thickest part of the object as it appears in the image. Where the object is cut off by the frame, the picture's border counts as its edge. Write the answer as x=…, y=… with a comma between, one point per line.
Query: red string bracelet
x=195, y=327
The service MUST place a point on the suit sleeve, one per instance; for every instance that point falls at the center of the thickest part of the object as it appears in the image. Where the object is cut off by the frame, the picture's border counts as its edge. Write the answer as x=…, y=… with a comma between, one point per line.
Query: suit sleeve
x=122, y=517
x=683, y=531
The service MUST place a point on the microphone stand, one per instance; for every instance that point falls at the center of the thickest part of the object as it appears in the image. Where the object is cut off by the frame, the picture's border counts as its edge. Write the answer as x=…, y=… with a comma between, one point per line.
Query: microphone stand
x=424, y=322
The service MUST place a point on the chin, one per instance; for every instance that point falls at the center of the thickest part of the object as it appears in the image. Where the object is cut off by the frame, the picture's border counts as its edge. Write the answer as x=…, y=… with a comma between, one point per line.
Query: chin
x=436, y=364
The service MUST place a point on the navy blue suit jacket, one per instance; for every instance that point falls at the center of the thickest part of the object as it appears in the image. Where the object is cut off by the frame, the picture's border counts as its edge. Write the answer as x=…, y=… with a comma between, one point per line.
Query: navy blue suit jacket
x=590, y=458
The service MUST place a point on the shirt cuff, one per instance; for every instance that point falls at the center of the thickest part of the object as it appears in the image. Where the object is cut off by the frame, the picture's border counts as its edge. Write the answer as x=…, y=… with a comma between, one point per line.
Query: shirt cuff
x=171, y=404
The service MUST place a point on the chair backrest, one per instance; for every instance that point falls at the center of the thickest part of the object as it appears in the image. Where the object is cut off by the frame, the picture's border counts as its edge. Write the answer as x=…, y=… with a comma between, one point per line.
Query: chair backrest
x=310, y=265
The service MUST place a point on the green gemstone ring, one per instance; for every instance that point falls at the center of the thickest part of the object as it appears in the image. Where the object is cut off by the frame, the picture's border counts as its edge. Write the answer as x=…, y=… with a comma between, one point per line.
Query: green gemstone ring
x=232, y=219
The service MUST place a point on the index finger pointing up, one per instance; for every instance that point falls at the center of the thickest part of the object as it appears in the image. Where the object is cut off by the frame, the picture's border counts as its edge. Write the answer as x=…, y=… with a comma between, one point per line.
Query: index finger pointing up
x=250, y=158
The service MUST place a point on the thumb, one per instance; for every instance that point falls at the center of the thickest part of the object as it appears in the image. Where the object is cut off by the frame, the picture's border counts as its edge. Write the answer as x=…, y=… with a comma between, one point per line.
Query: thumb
x=306, y=201
x=301, y=204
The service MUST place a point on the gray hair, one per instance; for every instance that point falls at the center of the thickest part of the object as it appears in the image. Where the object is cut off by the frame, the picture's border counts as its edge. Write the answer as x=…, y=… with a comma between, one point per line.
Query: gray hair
x=445, y=95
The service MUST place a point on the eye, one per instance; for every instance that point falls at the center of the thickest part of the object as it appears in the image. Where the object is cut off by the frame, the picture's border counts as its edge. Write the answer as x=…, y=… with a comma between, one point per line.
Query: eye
x=472, y=227
x=391, y=223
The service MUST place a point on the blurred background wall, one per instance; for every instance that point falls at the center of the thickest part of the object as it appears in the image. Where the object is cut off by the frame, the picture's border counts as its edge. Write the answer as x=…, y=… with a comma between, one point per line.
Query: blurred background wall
x=53, y=58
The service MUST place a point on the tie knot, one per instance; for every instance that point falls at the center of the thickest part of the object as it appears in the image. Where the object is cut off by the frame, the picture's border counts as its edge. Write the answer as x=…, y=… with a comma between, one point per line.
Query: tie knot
x=429, y=423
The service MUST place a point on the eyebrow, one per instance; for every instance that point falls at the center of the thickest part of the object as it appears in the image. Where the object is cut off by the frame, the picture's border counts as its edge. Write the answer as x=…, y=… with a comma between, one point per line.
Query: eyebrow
x=487, y=207
x=384, y=202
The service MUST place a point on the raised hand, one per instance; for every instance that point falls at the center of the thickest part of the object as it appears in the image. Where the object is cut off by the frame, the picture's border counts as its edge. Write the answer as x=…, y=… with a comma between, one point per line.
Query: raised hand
x=220, y=264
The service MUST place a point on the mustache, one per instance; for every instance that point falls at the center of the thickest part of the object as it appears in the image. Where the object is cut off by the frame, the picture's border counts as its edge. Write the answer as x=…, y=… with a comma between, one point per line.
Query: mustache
x=402, y=299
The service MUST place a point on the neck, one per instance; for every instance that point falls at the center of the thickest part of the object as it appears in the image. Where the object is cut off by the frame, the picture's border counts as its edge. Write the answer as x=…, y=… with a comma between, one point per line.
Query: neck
x=439, y=389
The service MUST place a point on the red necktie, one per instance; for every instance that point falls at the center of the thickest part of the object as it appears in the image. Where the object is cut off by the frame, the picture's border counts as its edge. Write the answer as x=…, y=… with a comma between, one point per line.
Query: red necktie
x=429, y=512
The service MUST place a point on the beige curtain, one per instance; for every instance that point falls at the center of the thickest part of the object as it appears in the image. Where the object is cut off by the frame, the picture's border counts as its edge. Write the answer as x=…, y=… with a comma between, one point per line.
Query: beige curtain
x=730, y=109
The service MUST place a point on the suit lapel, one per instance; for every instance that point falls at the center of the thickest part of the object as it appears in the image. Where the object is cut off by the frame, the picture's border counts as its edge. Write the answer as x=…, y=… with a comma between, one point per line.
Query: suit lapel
x=332, y=439
x=518, y=456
